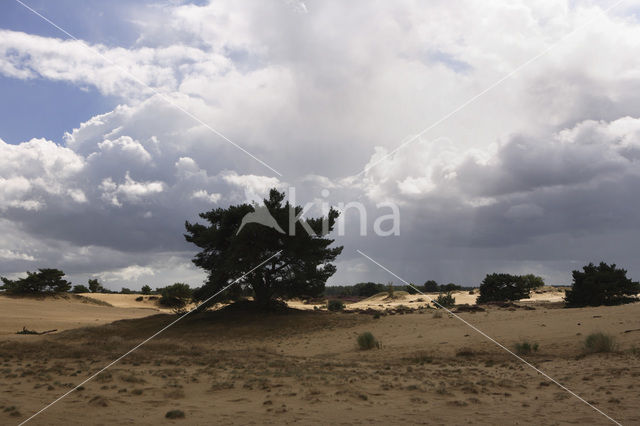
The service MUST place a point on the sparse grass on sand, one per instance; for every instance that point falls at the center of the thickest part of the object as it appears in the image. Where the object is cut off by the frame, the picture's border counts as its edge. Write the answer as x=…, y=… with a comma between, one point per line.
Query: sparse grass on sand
x=241, y=366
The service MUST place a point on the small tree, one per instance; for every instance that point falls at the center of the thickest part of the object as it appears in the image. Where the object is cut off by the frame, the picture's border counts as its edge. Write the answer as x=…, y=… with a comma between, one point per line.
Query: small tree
x=431, y=286
x=125, y=290
x=502, y=287
x=95, y=286
x=145, y=289
x=532, y=281
x=80, y=289
x=601, y=285
x=175, y=296
x=45, y=280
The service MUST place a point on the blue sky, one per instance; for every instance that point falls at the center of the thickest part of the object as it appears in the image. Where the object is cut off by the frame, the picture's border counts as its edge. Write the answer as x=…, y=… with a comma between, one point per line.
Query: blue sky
x=40, y=108
x=46, y=109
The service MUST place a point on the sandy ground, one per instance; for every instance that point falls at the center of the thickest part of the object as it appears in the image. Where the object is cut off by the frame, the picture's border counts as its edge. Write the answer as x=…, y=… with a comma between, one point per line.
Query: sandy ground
x=243, y=367
x=61, y=313
x=382, y=301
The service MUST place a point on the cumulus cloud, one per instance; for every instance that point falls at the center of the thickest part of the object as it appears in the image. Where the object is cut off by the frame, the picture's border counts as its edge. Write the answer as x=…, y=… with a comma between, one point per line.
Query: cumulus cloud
x=540, y=161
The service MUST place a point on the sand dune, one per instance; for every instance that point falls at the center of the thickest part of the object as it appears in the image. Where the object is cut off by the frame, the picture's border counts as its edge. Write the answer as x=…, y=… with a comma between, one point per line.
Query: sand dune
x=244, y=367
x=62, y=313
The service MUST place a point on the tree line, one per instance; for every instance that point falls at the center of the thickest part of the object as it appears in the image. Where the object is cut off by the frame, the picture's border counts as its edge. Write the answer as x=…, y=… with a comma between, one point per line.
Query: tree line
x=295, y=258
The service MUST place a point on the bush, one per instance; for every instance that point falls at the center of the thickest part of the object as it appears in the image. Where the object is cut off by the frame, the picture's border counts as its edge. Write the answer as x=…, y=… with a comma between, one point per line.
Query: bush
x=175, y=296
x=80, y=289
x=175, y=414
x=601, y=285
x=445, y=301
x=145, y=289
x=125, y=290
x=411, y=289
x=390, y=290
x=525, y=348
x=44, y=281
x=599, y=342
x=366, y=341
x=335, y=305
x=502, y=287
x=431, y=286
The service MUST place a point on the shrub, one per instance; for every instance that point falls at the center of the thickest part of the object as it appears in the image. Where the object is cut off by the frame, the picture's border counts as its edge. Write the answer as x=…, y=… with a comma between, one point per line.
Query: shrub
x=465, y=352
x=80, y=289
x=145, y=289
x=366, y=341
x=335, y=305
x=368, y=289
x=445, y=301
x=175, y=414
x=502, y=287
x=390, y=290
x=175, y=296
x=525, y=348
x=411, y=289
x=601, y=285
x=125, y=290
x=44, y=281
x=599, y=342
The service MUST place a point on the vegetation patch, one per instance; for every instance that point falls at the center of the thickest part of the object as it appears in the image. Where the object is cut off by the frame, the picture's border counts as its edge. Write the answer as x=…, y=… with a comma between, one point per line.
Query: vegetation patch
x=601, y=285
x=335, y=305
x=175, y=414
x=526, y=348
x=599, y=343
x=367, y=341
x=445, y=301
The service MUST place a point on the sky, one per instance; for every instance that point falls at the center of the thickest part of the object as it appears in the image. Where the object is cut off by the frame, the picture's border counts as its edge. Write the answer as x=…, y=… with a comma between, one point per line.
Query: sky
x=505, y=134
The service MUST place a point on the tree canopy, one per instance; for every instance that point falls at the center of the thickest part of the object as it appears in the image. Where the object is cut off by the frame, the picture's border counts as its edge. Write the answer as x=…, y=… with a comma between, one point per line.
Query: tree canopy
x=502, y=287
x=46, y=280
x=601, y=285
x=95, y=286
x=230, y=247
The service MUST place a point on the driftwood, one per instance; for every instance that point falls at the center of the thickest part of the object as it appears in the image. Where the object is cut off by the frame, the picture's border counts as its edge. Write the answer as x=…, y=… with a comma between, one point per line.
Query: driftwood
x=27, y=331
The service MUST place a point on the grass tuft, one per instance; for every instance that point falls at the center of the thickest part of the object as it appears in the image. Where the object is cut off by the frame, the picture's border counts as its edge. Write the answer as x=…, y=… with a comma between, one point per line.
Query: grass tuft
x=599, y=343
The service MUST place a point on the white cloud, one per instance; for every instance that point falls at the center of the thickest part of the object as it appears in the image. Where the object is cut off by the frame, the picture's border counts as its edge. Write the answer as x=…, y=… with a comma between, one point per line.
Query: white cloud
x=130, y=273
x=205, y=196
x=130, y=190
x=13, y=255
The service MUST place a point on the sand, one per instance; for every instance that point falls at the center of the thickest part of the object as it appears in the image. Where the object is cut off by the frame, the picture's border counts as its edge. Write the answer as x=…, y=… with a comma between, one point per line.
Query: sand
x=61, y=313
x=304, y=367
